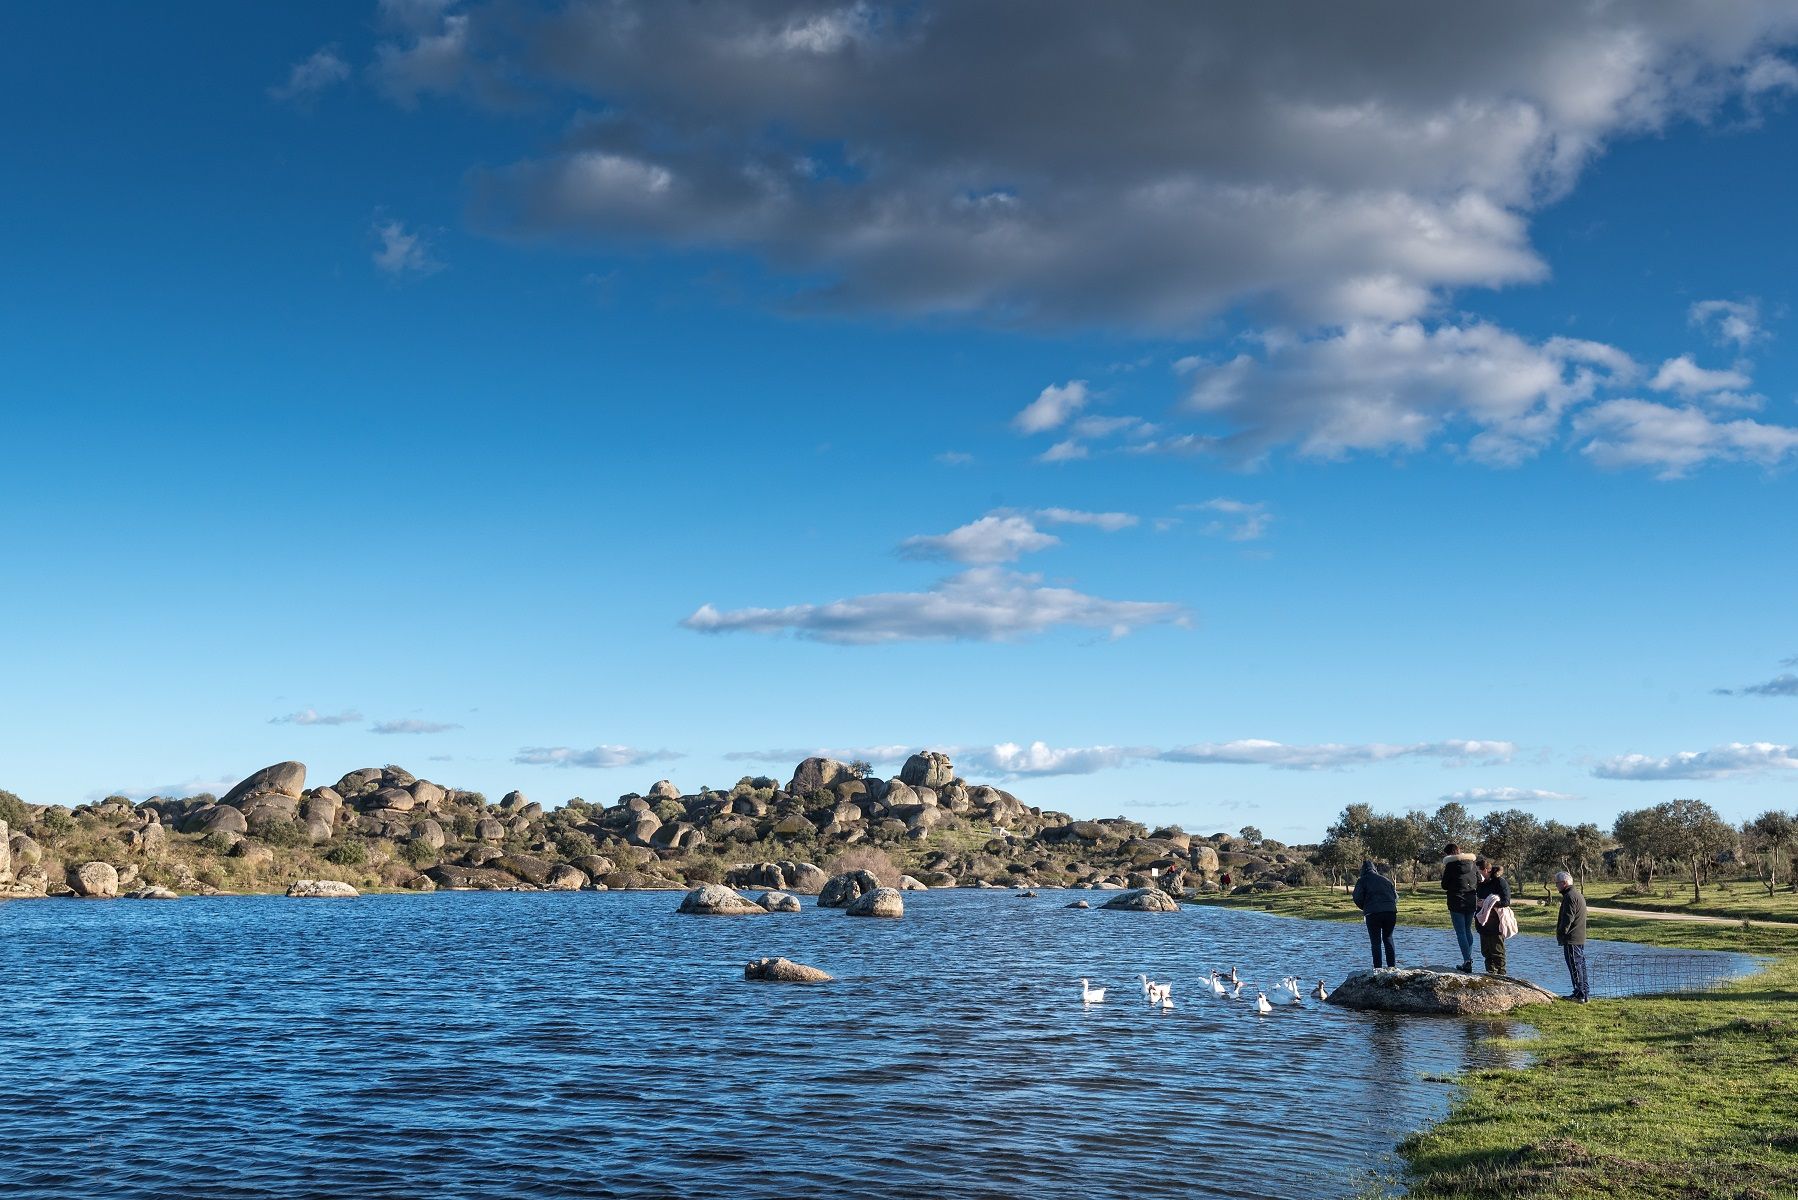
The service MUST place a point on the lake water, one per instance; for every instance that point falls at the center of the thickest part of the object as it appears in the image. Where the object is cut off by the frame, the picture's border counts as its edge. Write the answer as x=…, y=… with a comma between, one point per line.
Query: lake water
x=598, y=1044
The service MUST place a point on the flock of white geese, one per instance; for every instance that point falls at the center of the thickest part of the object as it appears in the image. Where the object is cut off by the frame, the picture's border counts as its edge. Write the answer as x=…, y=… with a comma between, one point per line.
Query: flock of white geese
x=1226, y=985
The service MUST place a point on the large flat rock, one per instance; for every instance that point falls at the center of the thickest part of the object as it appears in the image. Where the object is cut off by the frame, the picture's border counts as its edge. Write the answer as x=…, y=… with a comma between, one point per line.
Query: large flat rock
x=1435, y=990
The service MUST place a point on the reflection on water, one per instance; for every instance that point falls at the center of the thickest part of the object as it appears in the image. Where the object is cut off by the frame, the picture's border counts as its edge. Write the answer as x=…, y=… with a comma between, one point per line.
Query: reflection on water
x=490, y=1044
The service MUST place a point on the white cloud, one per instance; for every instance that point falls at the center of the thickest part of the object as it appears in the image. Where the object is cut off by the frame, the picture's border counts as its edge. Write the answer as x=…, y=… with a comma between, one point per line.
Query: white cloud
x=887, y=755
x=1064, y=451
x=1013, y=761
x=1052, y=408
x=980, y=604
x=318, y=73
x=1684, y=377
x=1247, y=521
x=955, y=458
x=1475, y=797
x=994, y=538
x=1256, y=752
x=1729, y=322
x=218, y=785
x=1110, y=522
x=403, y=254
x=412, y=725
x=311, y=716
x=1719, y=762
x=1386, y=388
x=1673, y=441
x=598, y=757
x=1210, y=157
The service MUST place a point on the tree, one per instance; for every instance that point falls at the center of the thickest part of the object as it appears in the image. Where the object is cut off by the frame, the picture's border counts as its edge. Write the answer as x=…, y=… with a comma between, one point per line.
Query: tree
x=1250, y=834
x=1353, y=823
x=861, y=768
x=1638, y=835
x=1397, y=840
x=1774, y=830
x=1452, y=823
x=1509, y=837
x=1337, y=856
x=1691, y=832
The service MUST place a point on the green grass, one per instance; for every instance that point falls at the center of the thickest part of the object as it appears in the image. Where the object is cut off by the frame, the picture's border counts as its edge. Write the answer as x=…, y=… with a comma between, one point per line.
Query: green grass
x=1745, y=898
x=1676, y=1096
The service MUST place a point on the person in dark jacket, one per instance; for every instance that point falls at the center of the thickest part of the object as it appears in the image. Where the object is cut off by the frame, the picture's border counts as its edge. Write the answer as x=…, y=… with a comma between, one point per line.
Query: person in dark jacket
x=1461, y=880
x=1492, y=939
x=1570, y=931
x=1375, y=896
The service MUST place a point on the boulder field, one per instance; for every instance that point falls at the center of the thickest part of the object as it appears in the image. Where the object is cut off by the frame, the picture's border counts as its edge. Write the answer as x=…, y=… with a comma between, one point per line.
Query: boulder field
x=833, y=830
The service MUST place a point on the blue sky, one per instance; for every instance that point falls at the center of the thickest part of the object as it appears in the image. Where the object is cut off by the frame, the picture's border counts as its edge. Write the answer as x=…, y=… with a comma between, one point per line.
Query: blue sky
x=566, y=397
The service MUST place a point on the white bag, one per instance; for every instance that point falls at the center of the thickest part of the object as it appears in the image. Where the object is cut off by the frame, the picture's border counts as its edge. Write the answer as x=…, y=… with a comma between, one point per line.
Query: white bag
x=1507, y=923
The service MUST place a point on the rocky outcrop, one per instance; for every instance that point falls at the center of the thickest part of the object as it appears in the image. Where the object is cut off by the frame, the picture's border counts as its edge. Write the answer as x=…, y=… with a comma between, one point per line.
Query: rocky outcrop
x=321, y=889
x=779, y=902
x=664, y=790
x=928, y=769
x=881, y=902
x=816, y=773
x=565, y=878
x=1148, y=899
x=5, y=853
x=284, y=779
x=1435, y=990
x=780, y=970
x=95, y=880
x=716, y=900
x=843, y=890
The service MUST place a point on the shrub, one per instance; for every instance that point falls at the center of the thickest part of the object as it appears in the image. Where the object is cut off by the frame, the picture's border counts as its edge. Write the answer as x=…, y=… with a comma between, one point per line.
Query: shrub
x=347, y=852
x=418, y=852
x=216, y=843
x=572, y=843
x=702, y=871
x=13, y=811
x=55, y=823
x=877, y=863
x=284, y=834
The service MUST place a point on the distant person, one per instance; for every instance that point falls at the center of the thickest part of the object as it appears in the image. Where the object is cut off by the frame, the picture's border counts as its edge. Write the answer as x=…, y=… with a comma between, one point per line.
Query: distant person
x=1375, y=896
x=1461, y=881
x=1224, y=881
x=1495, y=896
x=1570, y=931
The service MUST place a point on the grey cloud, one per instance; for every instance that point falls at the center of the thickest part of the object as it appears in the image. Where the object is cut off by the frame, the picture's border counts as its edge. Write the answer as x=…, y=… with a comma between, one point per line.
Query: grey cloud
x=1181, y=161
x=320, y=72
x=981, y=604
x=1780, y=685
x=412, y=725
x=601, y=756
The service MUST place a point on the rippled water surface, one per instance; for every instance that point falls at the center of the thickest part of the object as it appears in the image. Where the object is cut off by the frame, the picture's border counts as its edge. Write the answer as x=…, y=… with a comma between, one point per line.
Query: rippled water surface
x=598, y=1044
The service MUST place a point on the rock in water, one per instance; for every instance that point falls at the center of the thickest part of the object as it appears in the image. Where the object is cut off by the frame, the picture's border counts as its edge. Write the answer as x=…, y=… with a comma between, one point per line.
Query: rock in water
x=96, y=880
x=321, y=889
x=779, y=902
x=806, y=879
x=881, y=902
x=909, y=884
x=780, y=970
x=1079, y=904
x=840, y=891
x=286, y=779
x=1437, y=990
x=1143, y=900
x=152, y=893
x=716, y=900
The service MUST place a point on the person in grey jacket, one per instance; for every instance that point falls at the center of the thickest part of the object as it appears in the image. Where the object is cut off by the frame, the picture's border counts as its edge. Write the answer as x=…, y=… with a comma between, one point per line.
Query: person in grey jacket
x=1375, y=896
x=1570, y=931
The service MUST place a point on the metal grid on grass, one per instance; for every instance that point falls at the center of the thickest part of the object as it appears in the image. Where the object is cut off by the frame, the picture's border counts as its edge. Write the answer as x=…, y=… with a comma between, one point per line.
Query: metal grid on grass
x=1657, y=973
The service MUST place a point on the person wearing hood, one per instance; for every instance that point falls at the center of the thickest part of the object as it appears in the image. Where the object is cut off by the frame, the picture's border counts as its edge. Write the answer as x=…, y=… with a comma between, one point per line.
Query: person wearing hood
x=1495, y=895
x=1461, y=882
x=1375, y=896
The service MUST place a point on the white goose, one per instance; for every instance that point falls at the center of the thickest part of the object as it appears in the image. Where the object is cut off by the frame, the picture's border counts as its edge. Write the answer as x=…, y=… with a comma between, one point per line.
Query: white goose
x=1261, y=1004
x=1148, y=987
x=1236, y=992
x=1090, y=994
x=1320, y=991
x=1159, y=993
x=1292, y=985
x=1232, y=976
x=1167, y=999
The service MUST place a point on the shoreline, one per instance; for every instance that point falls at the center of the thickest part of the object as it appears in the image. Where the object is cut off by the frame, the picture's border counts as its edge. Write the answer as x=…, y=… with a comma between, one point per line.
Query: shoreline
x=1677, y=1094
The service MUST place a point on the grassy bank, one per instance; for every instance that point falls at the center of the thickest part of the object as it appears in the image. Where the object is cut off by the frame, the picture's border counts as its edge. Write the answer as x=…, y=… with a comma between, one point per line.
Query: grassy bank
x=1677, y=1096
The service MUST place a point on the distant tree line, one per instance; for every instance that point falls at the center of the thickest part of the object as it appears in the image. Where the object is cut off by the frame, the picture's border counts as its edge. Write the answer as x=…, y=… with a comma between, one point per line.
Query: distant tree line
x=1686, y=838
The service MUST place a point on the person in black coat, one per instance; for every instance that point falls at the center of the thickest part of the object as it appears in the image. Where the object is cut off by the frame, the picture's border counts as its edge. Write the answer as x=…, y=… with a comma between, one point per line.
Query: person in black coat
x=1375, y=896
x=1492, y=940
x=1461, y=882
x=1570, y=931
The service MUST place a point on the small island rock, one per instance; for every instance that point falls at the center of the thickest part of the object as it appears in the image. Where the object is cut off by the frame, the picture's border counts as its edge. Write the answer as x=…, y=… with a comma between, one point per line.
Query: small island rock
x=779, y=902
x=1435, y=990
x=321, y=889
x=881, y=902
x=716, y=900
x=95, y=880
x=780, y=970
x=1143, y=900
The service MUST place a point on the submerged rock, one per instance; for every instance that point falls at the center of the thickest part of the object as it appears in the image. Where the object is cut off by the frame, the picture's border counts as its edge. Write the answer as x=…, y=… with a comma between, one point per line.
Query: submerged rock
x=779, y=902
x=1079, y=904
x=780, y=970
x=152, y=893
x=321, y=889
x=881, y=902
x=1149, y=899
x=1438, y=990
x=716, y=900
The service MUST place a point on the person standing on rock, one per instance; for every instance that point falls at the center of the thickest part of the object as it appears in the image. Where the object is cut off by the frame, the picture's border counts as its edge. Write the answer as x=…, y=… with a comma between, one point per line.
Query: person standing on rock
x=1570, y=931
x=1494, y=894
x=1461, y=881
x=1375, y=896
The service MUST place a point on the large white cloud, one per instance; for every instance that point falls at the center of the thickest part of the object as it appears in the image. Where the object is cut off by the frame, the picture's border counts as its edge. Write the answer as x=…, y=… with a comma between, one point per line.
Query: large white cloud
x=1673, y=440
x=1736, y=758
x=982, y=604
x=1178, y=160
